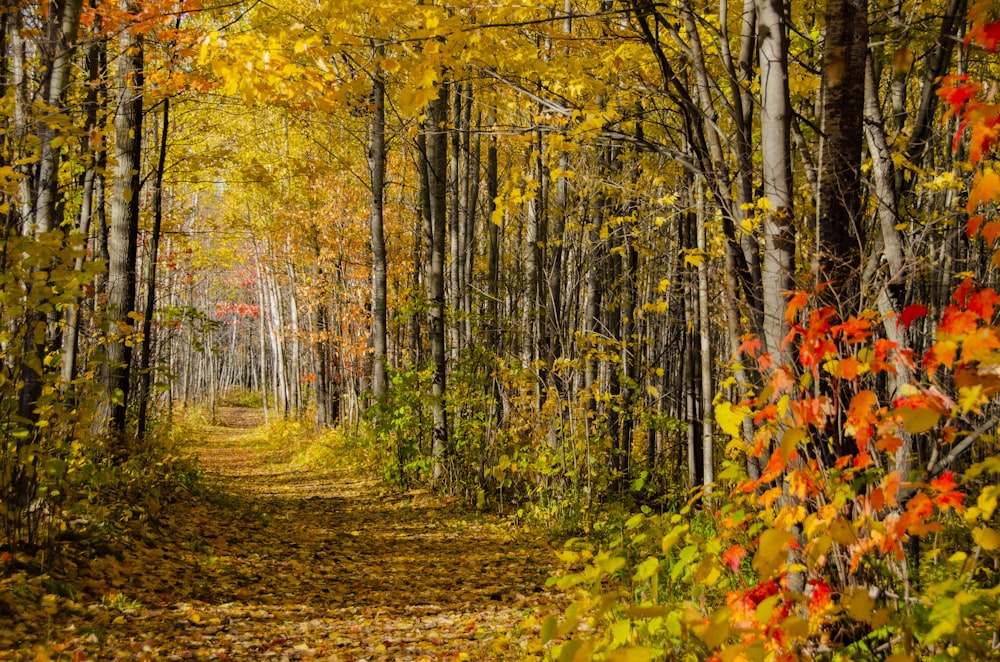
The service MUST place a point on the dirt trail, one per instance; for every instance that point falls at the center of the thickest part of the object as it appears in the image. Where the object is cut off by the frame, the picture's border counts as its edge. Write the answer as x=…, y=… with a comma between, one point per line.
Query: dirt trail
x=302, y=564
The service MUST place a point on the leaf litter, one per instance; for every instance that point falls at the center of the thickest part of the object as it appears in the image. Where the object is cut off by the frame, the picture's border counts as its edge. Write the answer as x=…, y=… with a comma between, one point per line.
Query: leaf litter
x=283, y=562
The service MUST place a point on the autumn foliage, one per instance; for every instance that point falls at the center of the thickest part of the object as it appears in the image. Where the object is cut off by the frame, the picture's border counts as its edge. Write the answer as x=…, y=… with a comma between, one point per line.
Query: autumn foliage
x=869, y=526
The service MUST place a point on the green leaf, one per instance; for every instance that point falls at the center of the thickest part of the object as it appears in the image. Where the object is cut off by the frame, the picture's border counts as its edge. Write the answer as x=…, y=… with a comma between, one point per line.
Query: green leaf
x=549, y=626
x=671, y=538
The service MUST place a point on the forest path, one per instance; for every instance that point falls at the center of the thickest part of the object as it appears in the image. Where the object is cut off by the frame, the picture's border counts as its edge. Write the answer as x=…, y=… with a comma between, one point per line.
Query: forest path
x=288, y=564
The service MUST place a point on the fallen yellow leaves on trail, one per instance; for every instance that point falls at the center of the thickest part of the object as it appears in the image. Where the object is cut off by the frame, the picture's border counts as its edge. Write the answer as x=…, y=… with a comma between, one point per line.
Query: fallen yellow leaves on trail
x=288, y=564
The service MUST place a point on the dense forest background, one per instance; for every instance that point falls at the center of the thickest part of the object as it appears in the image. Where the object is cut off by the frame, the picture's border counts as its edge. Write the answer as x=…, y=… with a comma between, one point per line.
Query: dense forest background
x=728, y=266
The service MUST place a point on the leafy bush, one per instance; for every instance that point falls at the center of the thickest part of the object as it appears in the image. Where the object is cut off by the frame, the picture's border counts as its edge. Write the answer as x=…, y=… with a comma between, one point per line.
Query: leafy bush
x=821, y=553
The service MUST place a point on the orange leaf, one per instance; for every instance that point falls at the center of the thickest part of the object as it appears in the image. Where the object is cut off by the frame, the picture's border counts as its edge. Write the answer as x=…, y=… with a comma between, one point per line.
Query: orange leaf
x=991, y=231
x=889, y=443
x=847, y=368
x=972, y=226
x=985, y=189
x=891, y=484
x=733, y=556
x=774, y=467
x=751, y=345
x=768, y=498
x=877, y=498
x=795, y=303
x=984, y=301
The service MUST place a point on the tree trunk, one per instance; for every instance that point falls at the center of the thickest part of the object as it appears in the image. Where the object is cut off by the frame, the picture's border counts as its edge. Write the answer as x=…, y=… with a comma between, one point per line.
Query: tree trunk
x=145, y=369
x=840, y=227
x=123, y=234
x=776, y=161
x=93, y=183
x=376, y=161
x=437, y=172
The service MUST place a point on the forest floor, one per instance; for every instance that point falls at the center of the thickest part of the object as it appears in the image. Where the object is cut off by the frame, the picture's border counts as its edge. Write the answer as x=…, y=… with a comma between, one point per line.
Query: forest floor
x=285, y=562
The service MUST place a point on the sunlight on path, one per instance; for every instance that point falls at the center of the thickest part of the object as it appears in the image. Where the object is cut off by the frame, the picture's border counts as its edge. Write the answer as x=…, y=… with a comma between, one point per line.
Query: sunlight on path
x=294, y=564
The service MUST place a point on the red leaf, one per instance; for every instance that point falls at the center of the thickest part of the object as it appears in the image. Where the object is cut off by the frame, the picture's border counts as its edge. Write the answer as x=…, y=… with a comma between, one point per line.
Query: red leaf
x=984, y=301
x=945, y=482
x=955, y=91
x=961, y=294
x=972, y=226
x=733, y=556
x=987, y=36
x=820, y=595
x=911, y=314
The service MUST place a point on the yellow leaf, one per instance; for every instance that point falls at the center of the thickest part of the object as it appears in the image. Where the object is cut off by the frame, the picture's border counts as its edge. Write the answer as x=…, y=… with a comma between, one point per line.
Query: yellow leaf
x=859, y=605
x=971, y=397
x=694, y=258
x=790, y=440
x=766, y=608
x=718, y=628
x=986, y=538
x=730, y=418
x=671, y=538
x=653, y=391
x=708, y=572
x=771, y=551
x=916, y=421
x=987, y=501
x=795, y=627
x=634, y=654
x=621, y=632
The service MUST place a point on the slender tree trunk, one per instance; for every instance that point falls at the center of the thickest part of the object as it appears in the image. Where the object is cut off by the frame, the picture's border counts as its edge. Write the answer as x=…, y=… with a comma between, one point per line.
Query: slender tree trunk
x=376, y=160
x=493, y=266
x=93, y=180
x=437, y=170
x=840, y=227
x=123, y=234
x=145, y=369
x=530, y=322
x=262, y=332
x=295, y=359
x=62, y=31
x=705, y=349
x=776, y=161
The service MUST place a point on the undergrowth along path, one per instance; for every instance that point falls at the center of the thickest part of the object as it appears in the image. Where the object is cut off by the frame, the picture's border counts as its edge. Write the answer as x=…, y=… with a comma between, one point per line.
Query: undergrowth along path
x=289, y=561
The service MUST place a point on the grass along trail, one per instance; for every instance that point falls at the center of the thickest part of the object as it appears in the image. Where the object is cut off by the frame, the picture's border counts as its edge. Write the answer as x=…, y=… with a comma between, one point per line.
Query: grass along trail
x=292, y=562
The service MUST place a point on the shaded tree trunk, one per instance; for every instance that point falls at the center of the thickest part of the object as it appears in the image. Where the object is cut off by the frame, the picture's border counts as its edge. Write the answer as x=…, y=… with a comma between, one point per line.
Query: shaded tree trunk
x=840, y=227
x=376, y=164
x=145, y=369
x=123, y=235
x=437, y=177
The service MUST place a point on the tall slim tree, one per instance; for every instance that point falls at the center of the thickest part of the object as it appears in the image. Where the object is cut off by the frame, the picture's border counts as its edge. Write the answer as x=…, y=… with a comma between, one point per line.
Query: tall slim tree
x=776, y=164
x=437, y=176
x=840, y=227
x=123, y=232
x=145, y=367
x=376, y=165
